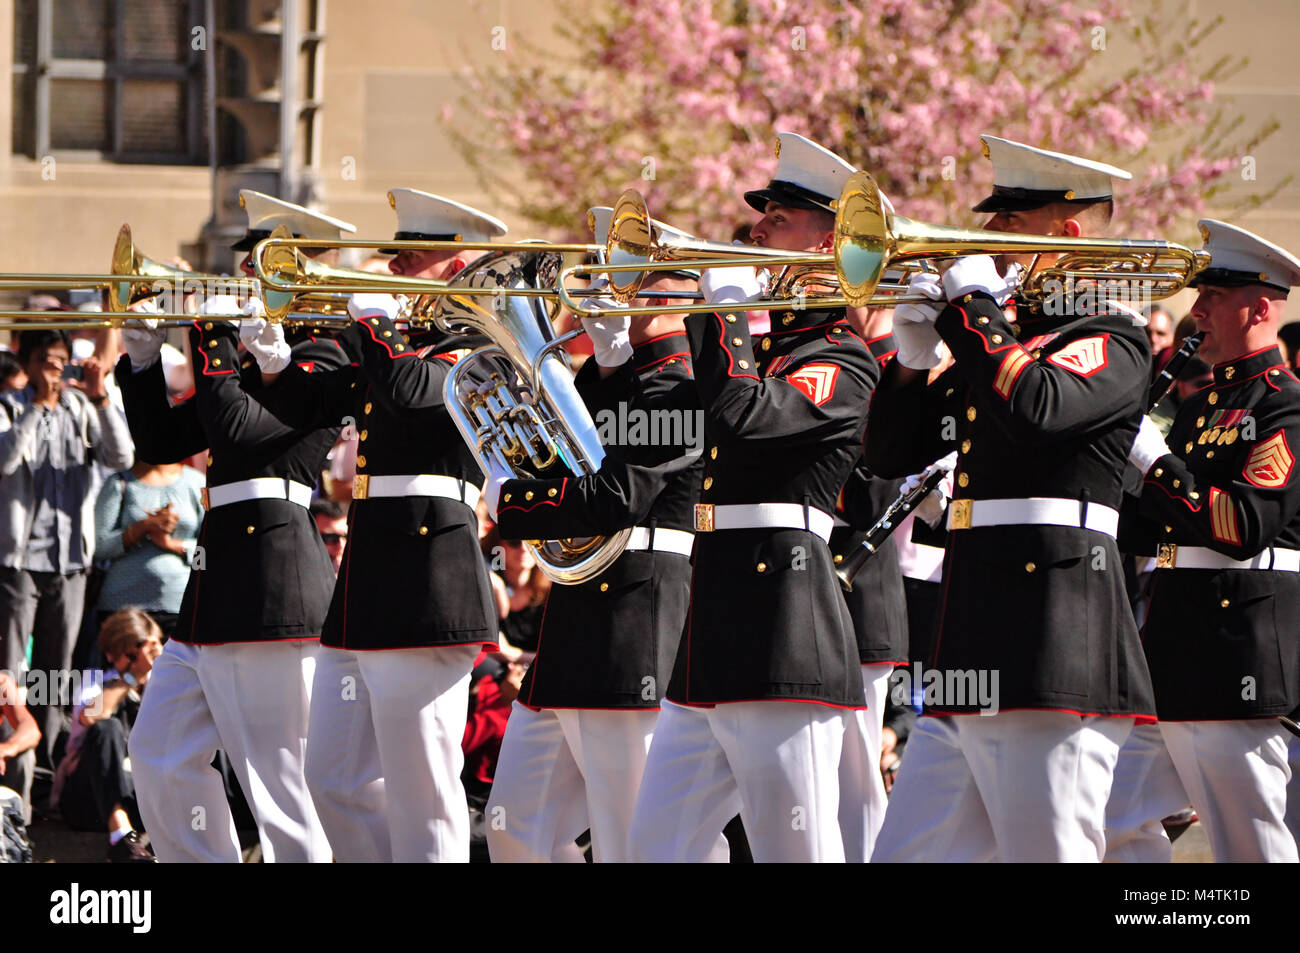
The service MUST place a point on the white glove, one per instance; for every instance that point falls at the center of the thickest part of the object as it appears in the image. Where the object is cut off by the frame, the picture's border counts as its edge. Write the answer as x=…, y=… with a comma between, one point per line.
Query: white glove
x=919, y=344
x=496, y=478
x=729, y=285
x=610, y=333
x=978, y=273
x=931, y=508
x=221, y=306
x=1148, y=446
x=371, y=305
x=143, y=343
x=265, y=342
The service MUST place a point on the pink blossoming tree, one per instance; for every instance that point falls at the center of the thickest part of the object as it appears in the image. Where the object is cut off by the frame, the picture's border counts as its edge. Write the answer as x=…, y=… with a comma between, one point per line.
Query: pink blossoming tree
x=681, y=99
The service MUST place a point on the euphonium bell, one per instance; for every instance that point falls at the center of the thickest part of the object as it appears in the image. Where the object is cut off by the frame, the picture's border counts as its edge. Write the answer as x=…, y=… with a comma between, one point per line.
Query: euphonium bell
x=514, y=401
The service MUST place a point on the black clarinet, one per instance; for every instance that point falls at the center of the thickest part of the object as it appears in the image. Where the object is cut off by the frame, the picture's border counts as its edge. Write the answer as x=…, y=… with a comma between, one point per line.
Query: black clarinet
x=1164, y=383
x=884, y=527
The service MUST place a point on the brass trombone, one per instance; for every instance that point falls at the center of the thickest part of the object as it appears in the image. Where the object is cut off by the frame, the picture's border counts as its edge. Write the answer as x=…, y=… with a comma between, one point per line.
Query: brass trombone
x=131, y=279
x=869, y=238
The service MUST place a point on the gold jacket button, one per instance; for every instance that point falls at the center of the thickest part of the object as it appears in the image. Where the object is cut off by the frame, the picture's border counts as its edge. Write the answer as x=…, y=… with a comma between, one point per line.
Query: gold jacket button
x=1188, y=447
x=1225, y=603
x=604, y=587
x=761, y=567
x=361, y=461
x=744, y=365
x=388, y=334
x=552, y=491
x=766, y=344
x=207, y=326
x=366, y=409
x=1194, y=495
x=996, y=338
x=713, y=453
x=1177, y=484
x=528, y=495
x=424, y=531
x=1214, y=398
x=1168, y=528
x=951, y=391
x=839, y=559
x=1209, y=455
x=970, y=413
x=708, y=482
x=1200, y=421
x=363, y=435
x=216, y=362
x=736, y=342
x=965, y=446
x=963, y=480
x=209, y=459
x=374, y=320
x=730, y=319
x=1030, y=567
x=399, y=347
x=212, y=343
x=249, y=531
x=506, y=498
x=1159, y=472
x=982, y=320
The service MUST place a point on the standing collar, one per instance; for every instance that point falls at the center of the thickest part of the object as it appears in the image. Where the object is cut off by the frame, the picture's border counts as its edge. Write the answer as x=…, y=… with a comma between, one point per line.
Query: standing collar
x=656, y=349
x=1248, y=366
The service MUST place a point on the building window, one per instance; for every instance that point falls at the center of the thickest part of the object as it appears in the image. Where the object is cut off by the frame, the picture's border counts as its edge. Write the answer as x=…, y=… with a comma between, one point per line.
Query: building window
x=112, y=79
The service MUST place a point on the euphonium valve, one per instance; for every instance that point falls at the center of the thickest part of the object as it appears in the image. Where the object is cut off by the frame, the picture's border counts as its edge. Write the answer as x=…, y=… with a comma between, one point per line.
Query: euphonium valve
x=514, y=401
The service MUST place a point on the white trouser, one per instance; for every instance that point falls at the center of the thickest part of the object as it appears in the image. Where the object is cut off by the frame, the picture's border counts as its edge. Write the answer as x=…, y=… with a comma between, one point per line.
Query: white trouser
x=775, y=763
x=1236, y=775
x=1016, y=786
x=1146, y=790
x=384, y=757
x=560, y=772
x=1293, y=787
x=862, y=789
x=251, y=699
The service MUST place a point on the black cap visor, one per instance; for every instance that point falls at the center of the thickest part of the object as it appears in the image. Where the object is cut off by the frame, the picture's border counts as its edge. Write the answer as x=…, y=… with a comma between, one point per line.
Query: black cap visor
x=787, y=194
x=1006, y=199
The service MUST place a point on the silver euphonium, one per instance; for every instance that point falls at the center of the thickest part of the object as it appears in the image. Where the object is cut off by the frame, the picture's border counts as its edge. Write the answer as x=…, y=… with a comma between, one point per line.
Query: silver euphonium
x=514, y=401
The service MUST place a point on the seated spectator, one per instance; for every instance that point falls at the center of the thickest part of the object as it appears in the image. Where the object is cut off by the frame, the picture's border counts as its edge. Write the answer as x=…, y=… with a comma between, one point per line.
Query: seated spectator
x=332, y=523
x=520, y=588
x=146, y=523
x=93, y=788
x=19, y=735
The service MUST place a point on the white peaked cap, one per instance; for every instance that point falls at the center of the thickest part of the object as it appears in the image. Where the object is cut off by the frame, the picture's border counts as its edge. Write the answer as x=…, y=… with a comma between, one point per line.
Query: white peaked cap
x=265, y=212
x=1026, y=178
x=807, y=175
x=1238, y=257
x=428, y=216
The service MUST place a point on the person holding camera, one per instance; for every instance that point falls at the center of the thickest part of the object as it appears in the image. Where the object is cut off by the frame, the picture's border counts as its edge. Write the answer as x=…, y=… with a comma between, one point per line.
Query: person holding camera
x=93, y=787
x=52, y=433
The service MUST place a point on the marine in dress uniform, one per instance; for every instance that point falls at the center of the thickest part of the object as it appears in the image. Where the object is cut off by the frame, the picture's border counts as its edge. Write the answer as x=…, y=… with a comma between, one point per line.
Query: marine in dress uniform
x=412, y=604
x=237, y=675
x=576, y=744
x=767, y=675
x=1220, y=508
x=1042, y=415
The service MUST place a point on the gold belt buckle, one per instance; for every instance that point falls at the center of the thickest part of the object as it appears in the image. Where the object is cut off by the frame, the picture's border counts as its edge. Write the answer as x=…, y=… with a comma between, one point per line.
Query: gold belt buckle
x=203, y=498
x=704, y=517
x=1167, y=556
x=959, y=514
x=361, y=486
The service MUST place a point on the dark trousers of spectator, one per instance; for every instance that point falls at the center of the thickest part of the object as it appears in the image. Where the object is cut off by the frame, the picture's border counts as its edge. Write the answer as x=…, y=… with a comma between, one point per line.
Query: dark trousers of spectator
x=47, y=606
x=100, y=781
x=18, y=773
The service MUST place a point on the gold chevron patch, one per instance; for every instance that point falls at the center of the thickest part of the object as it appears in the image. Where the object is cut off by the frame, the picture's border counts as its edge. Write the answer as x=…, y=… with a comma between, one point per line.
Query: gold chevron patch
x=1084, y=357
x=817, y=381
x=1269, y=465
